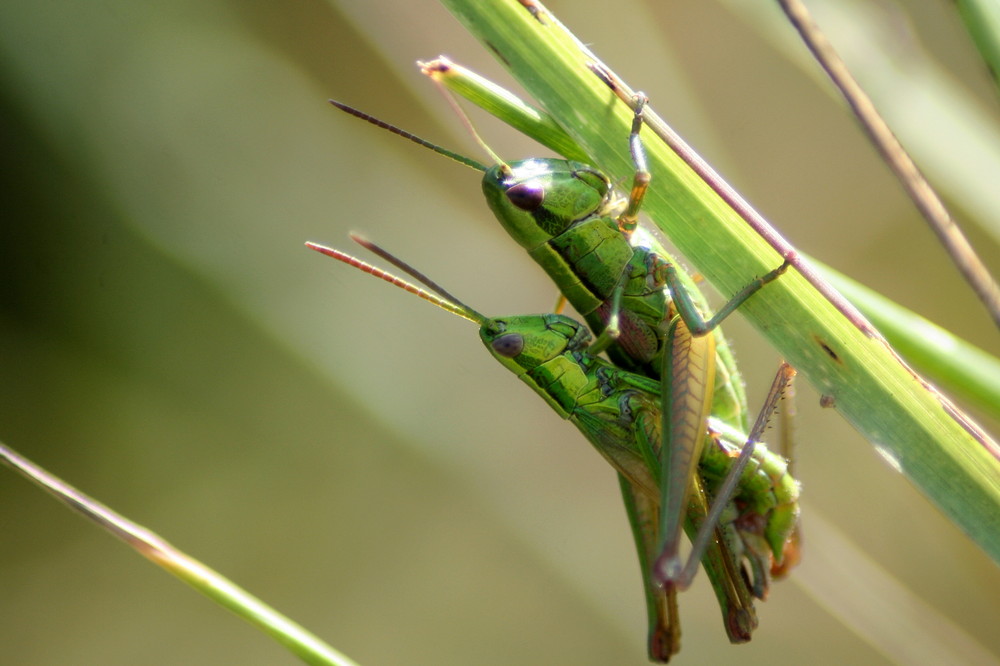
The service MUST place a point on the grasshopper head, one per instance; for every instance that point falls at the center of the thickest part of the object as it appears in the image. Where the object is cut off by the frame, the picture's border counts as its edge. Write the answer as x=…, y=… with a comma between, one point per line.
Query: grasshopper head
x=537, y=199
x=523, y=343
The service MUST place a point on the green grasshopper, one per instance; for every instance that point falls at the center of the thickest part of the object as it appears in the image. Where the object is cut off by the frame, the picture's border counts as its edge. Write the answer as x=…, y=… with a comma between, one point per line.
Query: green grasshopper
x=567, y=216
x=620, y=413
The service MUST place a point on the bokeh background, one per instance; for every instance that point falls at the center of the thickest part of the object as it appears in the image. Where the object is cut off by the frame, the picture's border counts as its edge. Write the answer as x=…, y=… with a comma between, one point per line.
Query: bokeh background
x=349, y=453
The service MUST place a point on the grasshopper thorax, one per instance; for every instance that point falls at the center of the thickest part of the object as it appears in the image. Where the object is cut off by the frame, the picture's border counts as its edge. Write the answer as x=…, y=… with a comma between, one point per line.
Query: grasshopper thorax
x=538, y=199
x=523, y=343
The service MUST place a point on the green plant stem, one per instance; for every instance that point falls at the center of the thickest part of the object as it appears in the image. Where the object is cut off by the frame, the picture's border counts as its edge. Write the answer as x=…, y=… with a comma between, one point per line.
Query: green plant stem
x=220, y=589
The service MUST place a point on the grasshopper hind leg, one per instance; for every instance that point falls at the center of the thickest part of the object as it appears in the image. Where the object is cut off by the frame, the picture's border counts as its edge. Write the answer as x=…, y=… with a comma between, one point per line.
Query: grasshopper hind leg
x=768, y=520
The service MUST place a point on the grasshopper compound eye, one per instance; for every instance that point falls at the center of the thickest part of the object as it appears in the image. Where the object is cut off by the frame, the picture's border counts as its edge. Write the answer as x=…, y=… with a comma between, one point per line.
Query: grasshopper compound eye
x=509, y=345
x=526, y=196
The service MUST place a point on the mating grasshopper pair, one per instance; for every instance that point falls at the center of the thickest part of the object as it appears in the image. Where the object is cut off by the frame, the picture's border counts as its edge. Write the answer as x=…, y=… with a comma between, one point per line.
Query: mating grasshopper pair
x=667, y=411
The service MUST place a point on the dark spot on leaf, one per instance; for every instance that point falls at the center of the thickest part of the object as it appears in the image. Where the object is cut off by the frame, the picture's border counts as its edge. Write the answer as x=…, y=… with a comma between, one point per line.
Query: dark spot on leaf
x=826, y=348
x=498, y=54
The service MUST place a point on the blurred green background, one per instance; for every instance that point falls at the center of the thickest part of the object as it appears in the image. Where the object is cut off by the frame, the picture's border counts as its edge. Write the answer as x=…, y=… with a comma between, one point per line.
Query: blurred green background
x=349, y=453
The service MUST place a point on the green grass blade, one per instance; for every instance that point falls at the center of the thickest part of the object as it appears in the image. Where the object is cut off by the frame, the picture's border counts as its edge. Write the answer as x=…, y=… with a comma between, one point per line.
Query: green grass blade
x=959, y=366
x=505, y=105
x=982, y=20
x=213, y=585
x=953, y=461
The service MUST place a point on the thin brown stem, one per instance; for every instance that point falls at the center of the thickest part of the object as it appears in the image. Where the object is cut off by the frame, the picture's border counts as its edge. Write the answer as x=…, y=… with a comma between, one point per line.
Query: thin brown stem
x=913, y=181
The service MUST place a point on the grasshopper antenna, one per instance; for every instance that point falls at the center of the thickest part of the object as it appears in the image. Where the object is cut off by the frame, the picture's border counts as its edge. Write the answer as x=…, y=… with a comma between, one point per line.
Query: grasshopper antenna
x=403, y=266
x=441, y=298
x=461, y=159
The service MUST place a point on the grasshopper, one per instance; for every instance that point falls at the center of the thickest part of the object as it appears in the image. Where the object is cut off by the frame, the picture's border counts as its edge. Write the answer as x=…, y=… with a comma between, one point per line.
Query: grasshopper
x=621, y=413
x=568, y=217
